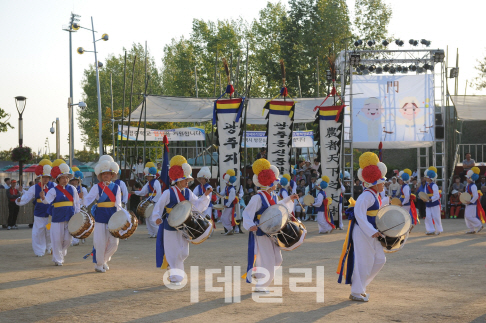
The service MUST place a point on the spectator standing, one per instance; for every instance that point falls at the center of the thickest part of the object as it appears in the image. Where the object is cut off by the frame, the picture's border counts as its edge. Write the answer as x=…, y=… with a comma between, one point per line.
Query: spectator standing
x=300, y=176
x=13, y=209
x=467, y=164
x=482, y=183
x=301, y=186
x=357, y=189
x=311, y=189
x=138, y=168
x=262, y=153
x=455, y=204
x=7, y=183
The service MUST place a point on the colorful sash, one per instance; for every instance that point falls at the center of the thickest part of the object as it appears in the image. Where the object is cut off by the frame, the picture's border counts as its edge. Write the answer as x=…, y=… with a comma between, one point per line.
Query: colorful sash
x=66, y=193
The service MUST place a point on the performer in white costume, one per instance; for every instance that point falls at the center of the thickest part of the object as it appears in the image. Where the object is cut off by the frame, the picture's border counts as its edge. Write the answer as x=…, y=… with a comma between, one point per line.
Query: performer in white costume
x=154, y=191
x=41, y=239
x=230, y=202
x=322, y=204
x=65, y=203
x=82, y=192
x=363, y=256
x=108, y=197
x=474, y=213
x=262, y=251
x=406, y=196
x=123, y=188
x=203, y=178
x=433, y=222
x=172, y=248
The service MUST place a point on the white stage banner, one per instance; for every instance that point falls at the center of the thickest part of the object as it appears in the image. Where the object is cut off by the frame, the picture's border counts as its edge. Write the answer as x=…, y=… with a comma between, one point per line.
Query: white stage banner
x=181, y=134
x=397, y=110
x=258, y=139
x=330, y=128
x=279, y=131
x=228, y=117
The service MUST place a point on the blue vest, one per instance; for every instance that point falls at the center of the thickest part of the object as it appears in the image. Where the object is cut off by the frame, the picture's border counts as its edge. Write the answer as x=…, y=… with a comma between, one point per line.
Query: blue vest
x=374, y=207
x=321, y=208
x=403, y=198
x=173, y=202
x=206, y=186
x=227, y=190
x=292, y=183
x=281, y=191
x=40, y=209
x=261, y=210
x=62, y=213
x=429, y=190
x=117, y=182
x=469, y=190
x=103, y=214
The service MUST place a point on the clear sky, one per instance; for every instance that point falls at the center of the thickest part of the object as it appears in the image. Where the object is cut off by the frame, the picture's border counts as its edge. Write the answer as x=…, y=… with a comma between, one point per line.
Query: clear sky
x=35, y=49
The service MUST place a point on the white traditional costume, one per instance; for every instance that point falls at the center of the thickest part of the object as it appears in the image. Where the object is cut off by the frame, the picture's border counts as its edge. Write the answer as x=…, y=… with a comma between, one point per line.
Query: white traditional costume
x=230, y=202
x=64, y=204
x=108, y=197
x=199, y=191
x=262, y=250
x=154, y=191
x=321, y=203
x=433, y=222
x=474, y=213
x=123, y=188
x=82, y=191
x=41, y=239
x=406, y=197
x=363, y=256
x=172, y=248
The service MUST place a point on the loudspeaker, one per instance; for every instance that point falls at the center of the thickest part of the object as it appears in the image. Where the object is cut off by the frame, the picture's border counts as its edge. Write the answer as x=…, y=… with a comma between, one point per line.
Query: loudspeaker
x=439, y=132
x=438, y=120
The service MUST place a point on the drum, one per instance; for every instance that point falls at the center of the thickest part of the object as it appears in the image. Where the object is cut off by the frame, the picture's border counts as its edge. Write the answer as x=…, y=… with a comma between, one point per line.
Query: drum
x=219, y=207
x=396, y=201
x=275, y=222
x=122, y=224
x=423, y=196
x=309, y=200
x=145, y=208
x=195, y=227
x=465, y=197
x=81, y=225
x=394, y=223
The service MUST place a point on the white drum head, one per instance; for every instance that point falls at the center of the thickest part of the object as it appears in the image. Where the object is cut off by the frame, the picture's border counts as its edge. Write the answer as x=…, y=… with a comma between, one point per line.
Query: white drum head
x=76, y=222
x=218, y=207
x=180, y=213
x=118, y=220
x=309, y=200
x=465, y=197
x=393, y=221
x=423, y=196
x=149, y=210
x=273, y=219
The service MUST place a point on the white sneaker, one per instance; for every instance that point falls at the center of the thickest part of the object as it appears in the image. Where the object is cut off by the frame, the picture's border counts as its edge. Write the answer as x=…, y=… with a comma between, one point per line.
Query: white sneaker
x=58, y=264
x=75, y=243
x=229, y=233
x=175, y=283
x=48, y=251
x=83, y=241
x=15, y=227
x=359, y=298
x=437, y=233
x=106, y=267
x=100, y=270
x=40, y=255
x=478, y=230
x=9, y=228
x=261, y=290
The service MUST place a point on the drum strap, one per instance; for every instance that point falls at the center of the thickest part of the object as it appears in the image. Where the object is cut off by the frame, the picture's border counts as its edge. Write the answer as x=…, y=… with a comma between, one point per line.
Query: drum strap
x=65, y=192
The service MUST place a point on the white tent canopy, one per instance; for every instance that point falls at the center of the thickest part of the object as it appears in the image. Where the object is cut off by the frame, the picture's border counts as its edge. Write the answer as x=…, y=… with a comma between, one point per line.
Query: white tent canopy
x=179, y=109
x=470, y=107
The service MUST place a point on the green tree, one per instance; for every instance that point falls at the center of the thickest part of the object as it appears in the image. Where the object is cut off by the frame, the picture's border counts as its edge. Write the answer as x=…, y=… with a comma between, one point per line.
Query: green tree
x=4, y=124
x=371, y=19
x=480, y=81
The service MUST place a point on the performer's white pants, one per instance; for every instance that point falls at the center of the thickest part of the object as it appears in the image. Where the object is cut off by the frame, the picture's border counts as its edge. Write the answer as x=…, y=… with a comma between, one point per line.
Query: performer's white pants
x=226, y=218
x=268, y=256
x=322, y=223
x=369, y=258
x=152, y=228
x=176, y=249
x=60, y=240
x=433, y=213
x=41, y=237
x=340, y=216
x=104, y=243
x=406, y=208
x=472, y=222
x=208, y=212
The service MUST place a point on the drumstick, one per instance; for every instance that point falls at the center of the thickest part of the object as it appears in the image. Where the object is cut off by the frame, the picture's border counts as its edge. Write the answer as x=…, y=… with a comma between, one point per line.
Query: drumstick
x=298, y=201
x=392, y=227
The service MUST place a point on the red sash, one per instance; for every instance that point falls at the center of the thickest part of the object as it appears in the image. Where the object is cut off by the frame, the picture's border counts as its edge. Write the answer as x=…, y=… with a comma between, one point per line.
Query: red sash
x=269, y=198
x=151, y=188
x=46, y=189
x=65, y=192
x=181, y=197
x=107, y=191
x=203, y=189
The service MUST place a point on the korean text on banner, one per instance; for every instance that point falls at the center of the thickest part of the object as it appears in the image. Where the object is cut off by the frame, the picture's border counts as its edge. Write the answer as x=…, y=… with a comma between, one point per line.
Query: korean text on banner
x=181, y=134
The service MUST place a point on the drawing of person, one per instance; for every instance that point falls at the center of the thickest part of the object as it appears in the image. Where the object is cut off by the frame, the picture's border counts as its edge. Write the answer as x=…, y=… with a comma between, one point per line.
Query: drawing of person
x=410, y=117
x=370, y=115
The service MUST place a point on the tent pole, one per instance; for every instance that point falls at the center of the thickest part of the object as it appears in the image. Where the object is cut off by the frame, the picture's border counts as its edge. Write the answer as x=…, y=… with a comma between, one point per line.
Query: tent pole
x=130, y=111
x=145, y=111
x=123, y=111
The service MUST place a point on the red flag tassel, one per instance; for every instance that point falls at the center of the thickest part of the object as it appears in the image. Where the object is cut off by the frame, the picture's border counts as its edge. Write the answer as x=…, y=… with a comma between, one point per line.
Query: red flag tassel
x=380, y=151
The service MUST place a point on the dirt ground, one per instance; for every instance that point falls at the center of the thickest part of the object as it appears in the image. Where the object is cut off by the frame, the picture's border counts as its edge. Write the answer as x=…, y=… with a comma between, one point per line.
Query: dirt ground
x=434, y=278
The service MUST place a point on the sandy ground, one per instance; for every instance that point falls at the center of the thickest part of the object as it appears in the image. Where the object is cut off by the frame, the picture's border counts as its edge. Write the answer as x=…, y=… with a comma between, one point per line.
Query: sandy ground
x=434, y=278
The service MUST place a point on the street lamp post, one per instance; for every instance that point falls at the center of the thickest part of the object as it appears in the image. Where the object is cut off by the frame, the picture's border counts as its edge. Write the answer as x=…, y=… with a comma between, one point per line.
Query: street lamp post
x=58, y=136
x=82, y=105
x=20, y=102
x=80, y=50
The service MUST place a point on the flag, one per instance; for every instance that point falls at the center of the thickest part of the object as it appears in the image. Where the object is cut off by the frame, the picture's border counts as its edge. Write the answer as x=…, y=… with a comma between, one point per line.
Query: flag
x=380, y=151
x=164, y=173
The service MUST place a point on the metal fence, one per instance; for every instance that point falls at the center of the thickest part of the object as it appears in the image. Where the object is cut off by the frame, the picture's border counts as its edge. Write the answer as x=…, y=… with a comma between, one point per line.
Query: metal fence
x=477, y=152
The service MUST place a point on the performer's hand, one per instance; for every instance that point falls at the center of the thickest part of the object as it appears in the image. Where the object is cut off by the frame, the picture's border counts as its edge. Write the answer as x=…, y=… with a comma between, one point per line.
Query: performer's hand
x=254, y=228
x=294, y=196
x=18, y=200
x=42, y=195
x=467, y=203
x=81, y=195
x=376, y=235
x=208, y=191
x=158, y=221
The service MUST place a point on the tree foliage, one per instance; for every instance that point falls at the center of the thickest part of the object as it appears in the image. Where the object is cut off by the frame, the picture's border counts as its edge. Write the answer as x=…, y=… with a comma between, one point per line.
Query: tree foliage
x=4, y=124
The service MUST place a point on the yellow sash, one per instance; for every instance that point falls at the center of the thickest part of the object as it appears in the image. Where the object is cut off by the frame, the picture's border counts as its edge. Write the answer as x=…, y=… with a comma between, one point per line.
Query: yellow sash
x=259, y=216
x=61, y=204
x=168, y=209
x=39, y=201
x=402, y=196
x=152, y=194
x=106, y=204
x=372, y=213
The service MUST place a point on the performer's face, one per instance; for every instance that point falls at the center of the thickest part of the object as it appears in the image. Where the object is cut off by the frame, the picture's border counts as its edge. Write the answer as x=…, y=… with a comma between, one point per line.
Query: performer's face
x=380, y=187
x=149, y=178
x=106, y=177
x=74, y=182
x=45, y=179
x=63, y=180
x=202, y=180
x=182, y=184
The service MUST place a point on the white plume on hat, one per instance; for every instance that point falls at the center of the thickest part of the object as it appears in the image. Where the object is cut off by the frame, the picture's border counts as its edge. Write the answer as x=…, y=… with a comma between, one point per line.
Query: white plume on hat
x=187, y=169
x=382, y=168
x=205, y=172
x=146, y=171
x=275, y=170
x=64, y=168
x=106, y=157
x=255, y=181
x=46, y=170
x=469, y=173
